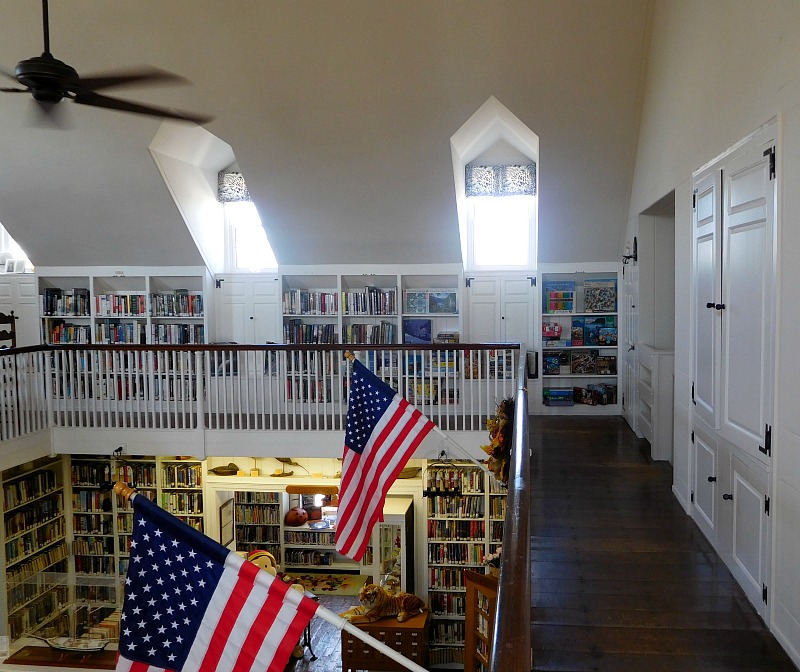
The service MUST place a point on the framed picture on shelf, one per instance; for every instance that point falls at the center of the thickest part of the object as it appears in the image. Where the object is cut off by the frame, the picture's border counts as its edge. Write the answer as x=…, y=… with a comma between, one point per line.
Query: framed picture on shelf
x=415, y=302
x=442, y=303
x=10, y=266
x=226, y=523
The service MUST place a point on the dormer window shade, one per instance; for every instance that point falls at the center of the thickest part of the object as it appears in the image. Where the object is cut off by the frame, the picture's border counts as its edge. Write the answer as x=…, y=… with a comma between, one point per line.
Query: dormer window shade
x=231, y=187
x=501, y=180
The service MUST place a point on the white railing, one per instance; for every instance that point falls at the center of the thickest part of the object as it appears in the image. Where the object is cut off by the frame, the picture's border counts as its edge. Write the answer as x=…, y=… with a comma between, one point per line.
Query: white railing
x=242, y=387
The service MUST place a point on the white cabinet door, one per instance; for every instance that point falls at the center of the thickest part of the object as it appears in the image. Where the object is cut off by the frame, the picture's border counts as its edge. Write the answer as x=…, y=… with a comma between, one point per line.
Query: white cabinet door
x=500, y=310
x=748, y=289
x=248, y=309
x=750, y=530
x=704, y=511
x=706, y=295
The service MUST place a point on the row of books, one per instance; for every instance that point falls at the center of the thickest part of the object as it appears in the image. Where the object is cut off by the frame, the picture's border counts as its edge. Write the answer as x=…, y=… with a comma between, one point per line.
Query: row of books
x=257, y=534
x=241, y=497
x=64, y=332
x=446, y=578
x=32, y=542
x=455, y=554
x=448, y=632
x=578, y=362
x=454, y=478
x=190, y=503
x=91, y=501
x=40, y=610
x=91, y=523
x=372, y=301
x=309, y=538
x=297, y=332
x=369, y=334
x=446, y=604
x=178, y=304
x=251, y=515
x=309, y=558
x=310, y=302
x=30, y=487
x=182, y=475
x=455, y=507
x=55, y=301
x=27, y=591
x=456, y=530
x=177, y=334
x=125, y=305
x=93, y=546
x=40, y=511
x=90, y=473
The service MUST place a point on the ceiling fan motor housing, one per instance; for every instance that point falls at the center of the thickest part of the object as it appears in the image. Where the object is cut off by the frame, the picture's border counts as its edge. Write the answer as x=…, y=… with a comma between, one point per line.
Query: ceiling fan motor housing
x=47, y=78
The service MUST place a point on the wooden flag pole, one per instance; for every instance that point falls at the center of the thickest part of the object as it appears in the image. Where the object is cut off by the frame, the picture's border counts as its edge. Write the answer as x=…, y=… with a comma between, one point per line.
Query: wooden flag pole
x=325, y=614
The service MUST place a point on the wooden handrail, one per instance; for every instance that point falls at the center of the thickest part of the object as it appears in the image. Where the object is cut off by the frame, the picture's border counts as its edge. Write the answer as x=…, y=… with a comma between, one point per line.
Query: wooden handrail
x=511, y=642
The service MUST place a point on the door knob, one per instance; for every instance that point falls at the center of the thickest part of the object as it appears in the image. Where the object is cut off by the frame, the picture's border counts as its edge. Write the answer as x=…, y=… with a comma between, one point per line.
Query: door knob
x=710, y=304
x=712, y=479
x=727, y=496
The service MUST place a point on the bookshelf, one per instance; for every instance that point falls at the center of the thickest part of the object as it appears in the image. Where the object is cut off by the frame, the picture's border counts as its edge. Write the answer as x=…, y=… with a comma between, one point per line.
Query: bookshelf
x=463, y=507
x=580, y=326
x=123, y=306
x=370, y=308
x=35, y=554
x=181, y=490
x=257, y=522
x=481, y=604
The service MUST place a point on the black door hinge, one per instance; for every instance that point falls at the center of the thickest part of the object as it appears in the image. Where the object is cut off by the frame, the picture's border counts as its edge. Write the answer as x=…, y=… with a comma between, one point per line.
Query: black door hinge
x=468, y=282
x=694, y=200
x=771, y=153
x=764, y=592
x=532, y=278
x=691, y=497
x=766, y=504
x=692, y=436
x=218, y=282
x=693, y=401
x=767, y=447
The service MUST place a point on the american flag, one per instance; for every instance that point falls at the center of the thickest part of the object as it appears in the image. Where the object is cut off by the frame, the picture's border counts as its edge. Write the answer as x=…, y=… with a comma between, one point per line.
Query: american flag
x=383, y=431
x=191, y=604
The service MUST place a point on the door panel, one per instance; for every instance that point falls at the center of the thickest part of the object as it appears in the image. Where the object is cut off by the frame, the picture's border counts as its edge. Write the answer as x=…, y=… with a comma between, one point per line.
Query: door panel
x=748, y=287
x=707, y=290
x=704, y=511
x=749, y=531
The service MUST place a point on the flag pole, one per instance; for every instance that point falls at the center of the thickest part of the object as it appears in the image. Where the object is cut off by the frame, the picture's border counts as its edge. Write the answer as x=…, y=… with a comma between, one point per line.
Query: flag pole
x=343, y=624
x=129, y=493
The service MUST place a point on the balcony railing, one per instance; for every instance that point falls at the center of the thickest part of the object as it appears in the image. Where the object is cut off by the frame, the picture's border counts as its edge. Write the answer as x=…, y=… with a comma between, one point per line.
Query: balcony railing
x=258, y=388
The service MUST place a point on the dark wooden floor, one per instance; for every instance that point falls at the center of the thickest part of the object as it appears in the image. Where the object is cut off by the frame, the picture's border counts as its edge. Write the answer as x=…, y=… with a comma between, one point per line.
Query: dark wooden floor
x=623, y=580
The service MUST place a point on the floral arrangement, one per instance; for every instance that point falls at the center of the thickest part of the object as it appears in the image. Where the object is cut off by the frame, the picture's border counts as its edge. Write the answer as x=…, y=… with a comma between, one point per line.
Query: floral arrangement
x=500, y=431
x=493, y=559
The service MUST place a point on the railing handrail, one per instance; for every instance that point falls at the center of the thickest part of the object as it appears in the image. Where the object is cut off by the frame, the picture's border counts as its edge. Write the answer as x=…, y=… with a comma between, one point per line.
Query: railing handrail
x=511, y=640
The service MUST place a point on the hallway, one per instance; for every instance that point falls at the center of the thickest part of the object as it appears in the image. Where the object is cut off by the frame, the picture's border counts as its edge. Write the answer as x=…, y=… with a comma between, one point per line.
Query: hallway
x=623, y=580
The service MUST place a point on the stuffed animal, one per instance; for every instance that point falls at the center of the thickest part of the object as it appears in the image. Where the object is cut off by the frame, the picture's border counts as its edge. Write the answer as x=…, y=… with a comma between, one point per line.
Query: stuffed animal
x=265, y=560
x=376, y=603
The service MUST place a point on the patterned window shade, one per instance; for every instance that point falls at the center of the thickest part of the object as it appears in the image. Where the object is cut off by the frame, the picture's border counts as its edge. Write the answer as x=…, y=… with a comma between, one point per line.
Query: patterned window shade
x=501, y=180
x=231, y=188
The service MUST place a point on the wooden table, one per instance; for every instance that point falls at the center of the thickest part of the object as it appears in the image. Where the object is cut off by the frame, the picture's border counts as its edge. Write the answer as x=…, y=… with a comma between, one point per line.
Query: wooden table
x=409, y=638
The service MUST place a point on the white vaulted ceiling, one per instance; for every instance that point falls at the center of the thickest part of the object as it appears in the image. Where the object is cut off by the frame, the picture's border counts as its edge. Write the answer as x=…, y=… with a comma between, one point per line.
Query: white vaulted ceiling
x=340, y=115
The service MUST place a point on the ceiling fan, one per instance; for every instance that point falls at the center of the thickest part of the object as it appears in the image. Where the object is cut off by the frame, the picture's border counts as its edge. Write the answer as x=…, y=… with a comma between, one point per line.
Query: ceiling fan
x=50, y=80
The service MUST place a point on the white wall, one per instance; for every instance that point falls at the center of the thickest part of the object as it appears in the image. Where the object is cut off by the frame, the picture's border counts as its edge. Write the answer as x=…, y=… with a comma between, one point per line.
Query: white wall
x=718, y=70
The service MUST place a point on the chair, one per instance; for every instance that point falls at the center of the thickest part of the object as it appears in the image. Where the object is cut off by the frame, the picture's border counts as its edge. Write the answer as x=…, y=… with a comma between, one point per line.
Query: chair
x=8, y=330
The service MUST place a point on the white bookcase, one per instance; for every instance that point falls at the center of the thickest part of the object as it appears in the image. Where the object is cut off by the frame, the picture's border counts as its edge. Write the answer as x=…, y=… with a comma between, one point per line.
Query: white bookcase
x=123, y=306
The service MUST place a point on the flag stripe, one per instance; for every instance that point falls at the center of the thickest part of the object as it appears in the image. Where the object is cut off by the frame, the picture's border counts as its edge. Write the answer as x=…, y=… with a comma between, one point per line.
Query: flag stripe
x=125, y=665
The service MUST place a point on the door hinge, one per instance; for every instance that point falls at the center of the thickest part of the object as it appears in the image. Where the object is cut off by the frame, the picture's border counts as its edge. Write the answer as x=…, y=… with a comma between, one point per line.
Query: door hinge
x=766, y=504
x=468, y=282
x=218, y=282
x=764, y=592
x=771, y=153
x=692, y=436
x=767, y=447
x=693, y=401
x=532, y=278
x=691, y=497
x=694, y=200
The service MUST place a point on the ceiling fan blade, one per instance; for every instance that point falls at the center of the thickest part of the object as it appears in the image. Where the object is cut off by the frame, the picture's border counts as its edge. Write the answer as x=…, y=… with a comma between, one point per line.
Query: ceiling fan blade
x=146, y=75
x=108, y=102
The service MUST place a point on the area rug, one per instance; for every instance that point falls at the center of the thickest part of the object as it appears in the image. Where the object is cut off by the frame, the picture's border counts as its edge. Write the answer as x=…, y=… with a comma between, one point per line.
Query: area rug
x=43, y=657
x=331, y=584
